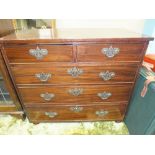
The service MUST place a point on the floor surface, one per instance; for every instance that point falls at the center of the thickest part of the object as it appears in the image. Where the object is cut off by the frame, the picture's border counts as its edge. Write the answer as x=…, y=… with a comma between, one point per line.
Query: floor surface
x=10, y=125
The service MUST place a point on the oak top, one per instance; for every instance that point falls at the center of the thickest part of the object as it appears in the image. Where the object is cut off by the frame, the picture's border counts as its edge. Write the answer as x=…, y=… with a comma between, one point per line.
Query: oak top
x=71, y=35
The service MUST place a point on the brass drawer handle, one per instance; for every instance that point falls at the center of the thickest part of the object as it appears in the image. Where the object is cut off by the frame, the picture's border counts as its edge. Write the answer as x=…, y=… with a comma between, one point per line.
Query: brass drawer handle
x=104, y=95
x=75, y=91
x=51, y=114
x=38, y=53
x=101, y=113
x=43, y=76
x=76, y=109
x=47, y=96
x=110, y=52
x=106, y=75
x=75, y=72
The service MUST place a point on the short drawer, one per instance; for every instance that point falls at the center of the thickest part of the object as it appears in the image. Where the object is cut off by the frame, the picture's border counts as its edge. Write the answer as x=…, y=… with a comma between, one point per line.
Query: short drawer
x=75, y=94
x=76, y=113
x=39, y=53
x=109, y=52
x=49, y=74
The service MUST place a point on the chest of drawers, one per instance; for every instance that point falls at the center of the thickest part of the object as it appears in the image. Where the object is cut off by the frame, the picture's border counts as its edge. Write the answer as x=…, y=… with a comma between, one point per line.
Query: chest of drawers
x=74, y=74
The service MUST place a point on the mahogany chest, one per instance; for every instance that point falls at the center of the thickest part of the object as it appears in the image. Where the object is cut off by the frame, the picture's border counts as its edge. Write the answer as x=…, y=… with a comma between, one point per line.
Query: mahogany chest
x=74, y=74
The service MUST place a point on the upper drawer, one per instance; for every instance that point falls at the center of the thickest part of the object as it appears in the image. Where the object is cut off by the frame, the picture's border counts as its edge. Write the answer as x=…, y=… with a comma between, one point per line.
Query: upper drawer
x=109, y=52
x=41, y=53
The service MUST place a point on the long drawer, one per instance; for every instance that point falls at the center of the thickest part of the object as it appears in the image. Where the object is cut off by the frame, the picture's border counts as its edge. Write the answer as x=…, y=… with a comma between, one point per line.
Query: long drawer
x=50, y=74
x=40, y=53
x=74, y=94
x=109, y=52
x=76, y=113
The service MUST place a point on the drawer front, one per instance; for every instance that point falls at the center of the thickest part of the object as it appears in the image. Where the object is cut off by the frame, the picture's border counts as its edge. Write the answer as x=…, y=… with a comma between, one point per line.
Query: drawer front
x=49, y=74
x=75, y=94
x=76, y=113
x=109, y=52
x=41, y=53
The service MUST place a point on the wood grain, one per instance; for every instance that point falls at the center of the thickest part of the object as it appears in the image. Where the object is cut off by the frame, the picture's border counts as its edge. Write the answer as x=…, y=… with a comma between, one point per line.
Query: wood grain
x=31, y=95
x=75, y=35
x=65, y=114
x=7, y=108
x=79, y=48
x=25, y=74
x=9, y=86
x=92, y=52
x=56, y=53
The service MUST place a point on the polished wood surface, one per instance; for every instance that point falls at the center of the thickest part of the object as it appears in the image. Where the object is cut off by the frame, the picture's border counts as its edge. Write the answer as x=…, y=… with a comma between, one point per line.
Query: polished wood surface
x=7, y=108
x=64, y=113
x=9, y=85
x=93, y=52
x=75, y=34
x=31, y=95
x=26, y=74
x=14, y=109
x=56, y=53
x=83, y=49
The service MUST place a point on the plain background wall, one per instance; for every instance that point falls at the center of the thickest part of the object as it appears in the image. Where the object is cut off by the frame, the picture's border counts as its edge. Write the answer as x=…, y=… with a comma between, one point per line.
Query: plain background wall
x=133, y=25
x=149, y=29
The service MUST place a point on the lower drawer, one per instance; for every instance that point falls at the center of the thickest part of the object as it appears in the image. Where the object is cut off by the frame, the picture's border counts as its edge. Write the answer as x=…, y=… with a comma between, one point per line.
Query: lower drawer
x=75, y=113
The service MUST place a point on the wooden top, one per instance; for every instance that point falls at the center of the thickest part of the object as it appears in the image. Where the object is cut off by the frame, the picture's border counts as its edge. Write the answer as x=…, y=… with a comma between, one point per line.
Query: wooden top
x=71, y=35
